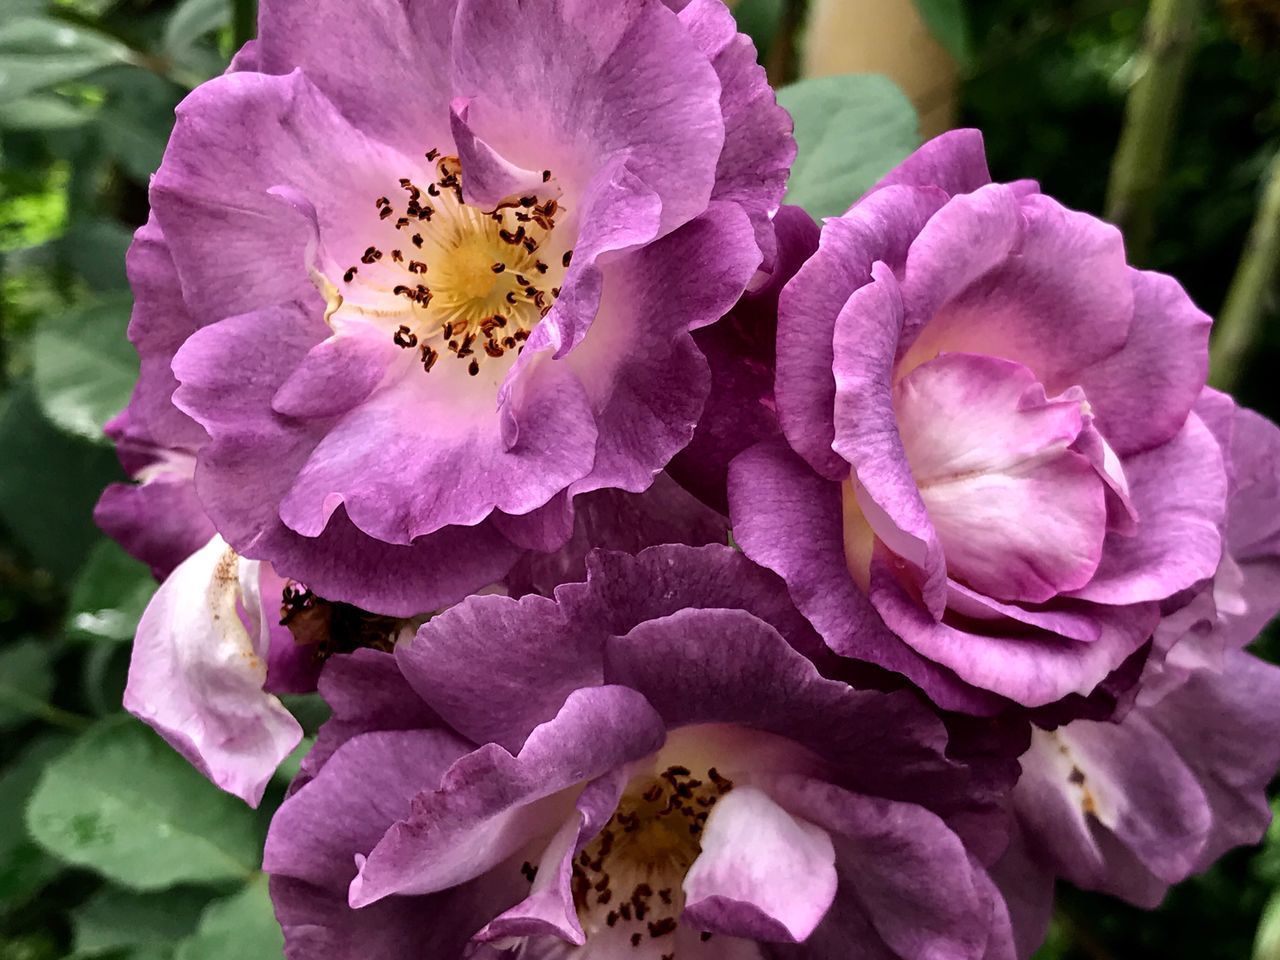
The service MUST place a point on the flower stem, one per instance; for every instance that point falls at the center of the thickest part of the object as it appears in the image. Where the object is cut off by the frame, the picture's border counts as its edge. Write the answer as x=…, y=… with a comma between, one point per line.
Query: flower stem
x=1252, y=287
x=783, y=61
x=244, y=21
x=46, y=712
x=1150, y=118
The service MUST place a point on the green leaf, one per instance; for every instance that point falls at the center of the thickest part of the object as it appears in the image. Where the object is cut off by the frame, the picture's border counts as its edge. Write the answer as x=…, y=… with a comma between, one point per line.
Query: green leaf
x=33, y=946
x=115, y=919
x=759, y=19
x=851, y=131
x=949, y=24
x=42, y=111
x=95, y=250
x=38, y=52
x=13, y=9
x=49, y=483
x=109, y=596
x=1266, y=946
x=24, y=867
x=85, y=366
x=242, y=925
x=137, y=118
x=291, y=765
x=192, y=20
x=123, y=803
x=26, y=680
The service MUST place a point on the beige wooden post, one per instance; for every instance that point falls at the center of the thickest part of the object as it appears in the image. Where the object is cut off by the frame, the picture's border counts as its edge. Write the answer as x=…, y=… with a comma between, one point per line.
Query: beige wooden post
x=888, y=37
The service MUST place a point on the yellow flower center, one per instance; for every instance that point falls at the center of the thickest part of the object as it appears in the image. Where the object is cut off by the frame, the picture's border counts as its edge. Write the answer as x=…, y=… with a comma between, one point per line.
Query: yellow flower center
x=629, y=880
x=452, y=279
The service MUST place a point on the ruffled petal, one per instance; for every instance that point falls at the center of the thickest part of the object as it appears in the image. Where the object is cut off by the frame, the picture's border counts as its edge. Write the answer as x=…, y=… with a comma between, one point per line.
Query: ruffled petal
x=197, y=674
x=763, y=874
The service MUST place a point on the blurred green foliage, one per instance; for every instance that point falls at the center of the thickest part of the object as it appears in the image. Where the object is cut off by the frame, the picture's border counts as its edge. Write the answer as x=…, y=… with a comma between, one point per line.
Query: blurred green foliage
x=125, y=852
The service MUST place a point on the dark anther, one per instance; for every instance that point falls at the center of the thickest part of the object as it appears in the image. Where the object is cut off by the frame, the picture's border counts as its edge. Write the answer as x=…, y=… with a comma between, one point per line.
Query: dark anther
x=473, y=368
x=492, y=349
x=370, y=255
x=511, y=297
x=509, y=342
x=546, y=176
x=433, y=190
x=417, y=240
x=555, y=291
x=540, y=267
x=405, y=337
x=386, y=212
x=397, y=256
x=400, y=290
x=417, y=266
x=660, y=928
x=383, y=202
x=528, y=201
x=704, y=936
x=402, y=223
x=498, y=267
x=567, y=258
x=349, y=275
x=530, y=244
x=635, y=939
x=512, y=238
x=432, y=153
x=429, y=358
x=521, y=280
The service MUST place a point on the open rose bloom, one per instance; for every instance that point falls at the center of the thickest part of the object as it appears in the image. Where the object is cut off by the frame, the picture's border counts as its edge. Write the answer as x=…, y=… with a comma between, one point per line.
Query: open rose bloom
x=1130, y=808
x=992, y=474
x=473, y=337
x=644, y=767
x=434, y=294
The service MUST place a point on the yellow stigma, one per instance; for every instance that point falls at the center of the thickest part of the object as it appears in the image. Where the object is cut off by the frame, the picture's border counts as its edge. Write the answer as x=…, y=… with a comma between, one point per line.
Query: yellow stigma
x=628, y=881
x=446, y=277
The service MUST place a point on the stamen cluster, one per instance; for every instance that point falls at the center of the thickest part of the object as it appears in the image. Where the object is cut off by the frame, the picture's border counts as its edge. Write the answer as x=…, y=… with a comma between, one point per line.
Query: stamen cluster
x=632, y=872
x=488, y=286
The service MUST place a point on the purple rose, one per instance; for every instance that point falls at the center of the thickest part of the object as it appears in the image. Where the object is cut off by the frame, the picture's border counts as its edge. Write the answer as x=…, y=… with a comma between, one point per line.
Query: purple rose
x=158, y=519
x=992, y=474
x=212, y=649
x=439, y=267
x=1130, y=808
x=740, y=350
x=642, y=767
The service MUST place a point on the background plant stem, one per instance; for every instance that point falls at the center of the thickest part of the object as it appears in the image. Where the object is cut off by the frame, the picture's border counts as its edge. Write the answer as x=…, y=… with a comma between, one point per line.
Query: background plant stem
x=244, y=21
x=783, y=61
x=1150, y=119
x=1252, y=288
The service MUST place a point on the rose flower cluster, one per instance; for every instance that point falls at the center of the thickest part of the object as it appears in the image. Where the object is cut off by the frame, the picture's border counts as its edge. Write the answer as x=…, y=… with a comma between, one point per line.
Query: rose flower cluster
x=685, y=579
